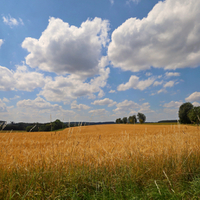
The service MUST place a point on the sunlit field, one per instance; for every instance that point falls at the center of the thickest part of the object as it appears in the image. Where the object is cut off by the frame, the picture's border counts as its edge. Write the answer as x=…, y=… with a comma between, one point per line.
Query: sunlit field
x=94, y=157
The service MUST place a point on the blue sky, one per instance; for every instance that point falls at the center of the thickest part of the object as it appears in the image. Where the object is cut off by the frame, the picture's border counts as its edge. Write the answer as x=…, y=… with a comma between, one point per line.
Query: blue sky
x=92, y=60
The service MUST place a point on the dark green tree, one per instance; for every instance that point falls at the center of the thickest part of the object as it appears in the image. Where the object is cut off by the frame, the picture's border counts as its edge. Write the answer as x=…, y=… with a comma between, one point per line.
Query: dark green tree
x=183, y=113
x=124, y=120
x=194, y=115
x=118, y=121
x=141, y=117
x=57, y=125
x=132, y=119
x=45, y=127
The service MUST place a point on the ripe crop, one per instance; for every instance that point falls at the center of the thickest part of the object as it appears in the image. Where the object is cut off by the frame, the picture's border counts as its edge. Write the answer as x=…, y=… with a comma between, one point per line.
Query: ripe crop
x=103, y=145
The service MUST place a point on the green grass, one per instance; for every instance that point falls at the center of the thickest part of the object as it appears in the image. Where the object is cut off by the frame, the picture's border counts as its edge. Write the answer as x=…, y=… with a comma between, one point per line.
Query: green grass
x=146, y=180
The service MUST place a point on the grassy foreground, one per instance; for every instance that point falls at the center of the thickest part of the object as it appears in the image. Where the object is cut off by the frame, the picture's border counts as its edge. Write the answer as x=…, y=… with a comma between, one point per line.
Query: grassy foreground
x=102, y=162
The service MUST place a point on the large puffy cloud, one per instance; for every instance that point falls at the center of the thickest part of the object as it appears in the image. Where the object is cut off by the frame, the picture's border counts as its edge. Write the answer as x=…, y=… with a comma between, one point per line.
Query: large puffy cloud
x=193, y=97
x=104, y=102
x=167, y=38
x=7, y=81
x=65, y=88
x=135, y=83
x=66, y=49
x=28, y=81
x=21, y=79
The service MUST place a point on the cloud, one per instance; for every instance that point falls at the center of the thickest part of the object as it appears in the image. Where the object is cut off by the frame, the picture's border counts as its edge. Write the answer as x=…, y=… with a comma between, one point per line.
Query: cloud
x=104, y=102
x=112, y=2
x=65, y=49
x=169, y=74
x=12, y=21
x=40, y=110
x=161, y=90
x=167, y=38
x=156, y=83
x=99, y=112
x=101, y=94
x=21, y=79
x=148, y=74
x=173, y=104
x=136, y=84
x=5, y=100
x=130, y=107
x=196, y=104
x=65, y=88
x=1, y=42
x=169, y=84
x=28, y=81
x=38, y=104
x=15, y=97
x=193, y=97
x=112, y=91
x=74, y=105
x=7, y=81
x=2, y=106
x=134, y=1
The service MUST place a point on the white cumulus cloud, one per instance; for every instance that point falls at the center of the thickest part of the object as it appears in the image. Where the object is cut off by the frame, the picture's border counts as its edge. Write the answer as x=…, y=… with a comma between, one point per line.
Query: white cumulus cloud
x=135, y=83
x=64, y=88
x=169, y=84
x=104, y=102
x=65, y=49
x=112, y=91
x=193, y=97
x=156, y=83
x=21, y=79
x=167, y=38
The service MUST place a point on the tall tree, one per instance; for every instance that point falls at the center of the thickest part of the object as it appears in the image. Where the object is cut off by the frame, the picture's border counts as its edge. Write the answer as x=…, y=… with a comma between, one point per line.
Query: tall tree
x=141, y=117
x=194, y=115
x=132, y=119
x=183, y=113
x=125, y=120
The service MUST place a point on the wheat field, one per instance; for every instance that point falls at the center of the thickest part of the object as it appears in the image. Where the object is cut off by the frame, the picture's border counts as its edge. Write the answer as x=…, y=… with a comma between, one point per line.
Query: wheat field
x=99, y=145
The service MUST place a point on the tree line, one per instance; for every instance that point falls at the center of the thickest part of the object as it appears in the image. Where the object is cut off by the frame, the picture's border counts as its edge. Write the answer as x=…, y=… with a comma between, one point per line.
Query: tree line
x=132, y=119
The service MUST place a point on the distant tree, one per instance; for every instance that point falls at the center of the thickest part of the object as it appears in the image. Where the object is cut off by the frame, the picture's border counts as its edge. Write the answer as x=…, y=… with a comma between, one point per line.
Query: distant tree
x=33, y=128
x=132, y=119
x=141, y=117
x=194, y=115
x=57, y=124
x=124, y=120
x=118, y=121
x=45, y=127
x=183, y=113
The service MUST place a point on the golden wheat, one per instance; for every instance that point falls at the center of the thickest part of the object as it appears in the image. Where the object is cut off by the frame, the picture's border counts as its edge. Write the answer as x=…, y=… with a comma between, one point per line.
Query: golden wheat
x=96, y=145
